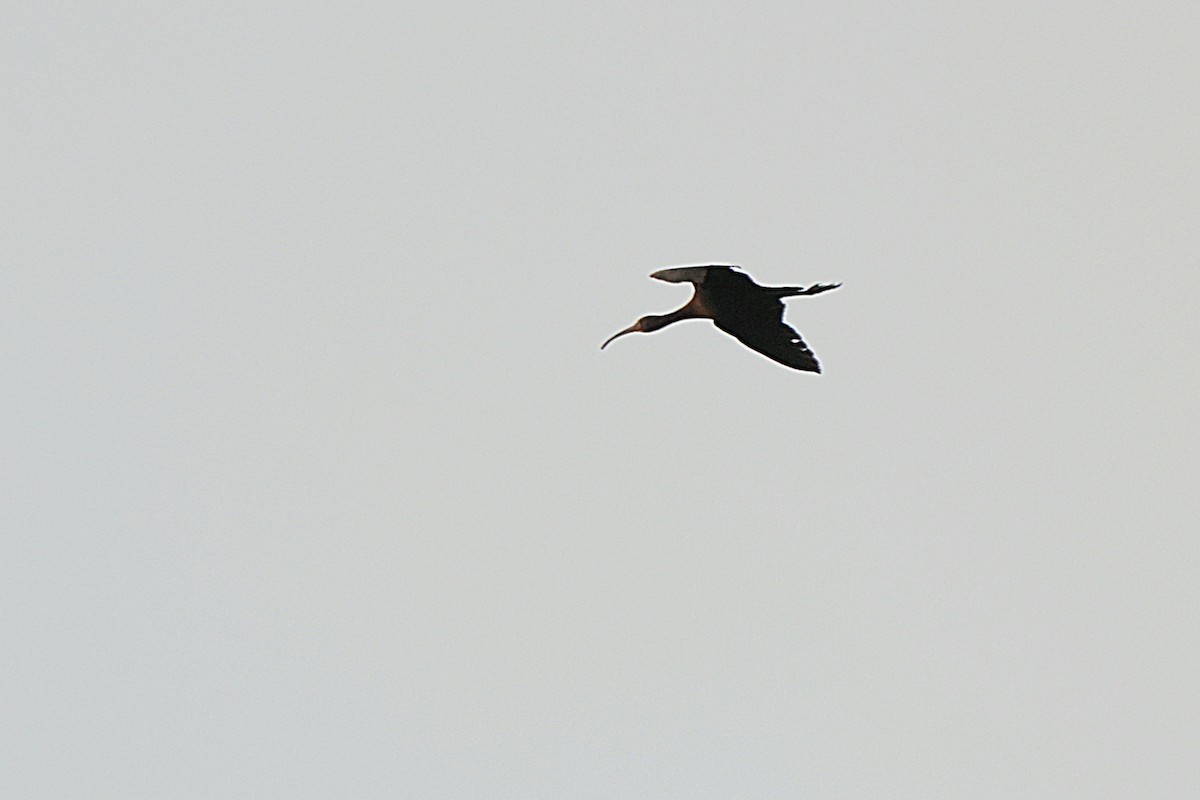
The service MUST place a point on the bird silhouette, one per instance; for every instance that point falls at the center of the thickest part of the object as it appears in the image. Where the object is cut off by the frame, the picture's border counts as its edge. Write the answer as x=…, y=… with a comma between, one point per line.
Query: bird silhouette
x=750, y=313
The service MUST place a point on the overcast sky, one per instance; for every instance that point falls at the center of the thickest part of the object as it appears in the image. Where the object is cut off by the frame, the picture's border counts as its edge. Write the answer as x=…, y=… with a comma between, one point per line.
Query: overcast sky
x=316, y=484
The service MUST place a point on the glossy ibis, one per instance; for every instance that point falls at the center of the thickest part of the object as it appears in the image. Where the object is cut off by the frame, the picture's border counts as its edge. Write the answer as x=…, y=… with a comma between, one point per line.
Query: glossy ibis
x=750, y=313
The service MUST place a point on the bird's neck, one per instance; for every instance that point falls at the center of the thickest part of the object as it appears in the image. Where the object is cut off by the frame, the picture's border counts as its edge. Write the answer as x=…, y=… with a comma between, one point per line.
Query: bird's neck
x=654, y=322
x=694, y=309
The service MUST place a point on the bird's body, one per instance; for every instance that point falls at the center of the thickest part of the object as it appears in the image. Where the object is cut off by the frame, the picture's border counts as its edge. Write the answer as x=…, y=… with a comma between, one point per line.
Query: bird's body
x=737, y=305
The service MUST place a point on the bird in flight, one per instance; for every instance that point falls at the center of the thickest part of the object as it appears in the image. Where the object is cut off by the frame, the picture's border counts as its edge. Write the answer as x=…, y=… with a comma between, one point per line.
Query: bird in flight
x=750, y=313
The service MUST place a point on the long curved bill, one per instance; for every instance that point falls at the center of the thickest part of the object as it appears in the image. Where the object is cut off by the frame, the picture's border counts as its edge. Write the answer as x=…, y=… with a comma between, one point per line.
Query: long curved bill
x=634, y=328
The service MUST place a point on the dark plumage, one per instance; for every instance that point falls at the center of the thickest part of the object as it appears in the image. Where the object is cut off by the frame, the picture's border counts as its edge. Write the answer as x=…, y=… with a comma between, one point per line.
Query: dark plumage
x=750, y=313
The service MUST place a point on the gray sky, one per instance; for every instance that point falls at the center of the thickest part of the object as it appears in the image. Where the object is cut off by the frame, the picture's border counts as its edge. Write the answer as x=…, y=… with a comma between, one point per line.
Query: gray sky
x=316, y=483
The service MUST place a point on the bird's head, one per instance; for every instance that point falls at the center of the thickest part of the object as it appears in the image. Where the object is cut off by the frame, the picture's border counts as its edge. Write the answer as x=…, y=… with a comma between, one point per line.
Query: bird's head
x=647, y=324
x=637, y=327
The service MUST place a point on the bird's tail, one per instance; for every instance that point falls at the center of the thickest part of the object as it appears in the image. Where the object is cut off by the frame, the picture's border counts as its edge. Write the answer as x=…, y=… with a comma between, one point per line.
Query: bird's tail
x=793, y=291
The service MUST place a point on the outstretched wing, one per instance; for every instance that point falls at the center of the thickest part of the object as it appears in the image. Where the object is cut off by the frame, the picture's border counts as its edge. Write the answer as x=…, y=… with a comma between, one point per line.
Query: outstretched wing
x=774, y=338
x=754, y=316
